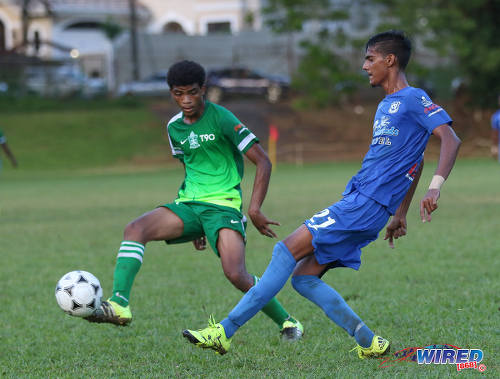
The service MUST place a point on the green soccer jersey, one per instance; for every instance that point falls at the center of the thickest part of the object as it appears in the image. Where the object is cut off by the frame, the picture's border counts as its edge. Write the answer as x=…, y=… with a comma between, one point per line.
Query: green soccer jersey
x=212, y=150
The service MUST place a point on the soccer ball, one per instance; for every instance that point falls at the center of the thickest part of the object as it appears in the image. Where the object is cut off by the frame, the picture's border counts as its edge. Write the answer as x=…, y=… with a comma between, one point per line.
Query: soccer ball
x=79, y=293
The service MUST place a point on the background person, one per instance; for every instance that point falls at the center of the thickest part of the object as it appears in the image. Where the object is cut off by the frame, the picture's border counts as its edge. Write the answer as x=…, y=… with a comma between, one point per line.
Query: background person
x=7, y=151
x=495, y=132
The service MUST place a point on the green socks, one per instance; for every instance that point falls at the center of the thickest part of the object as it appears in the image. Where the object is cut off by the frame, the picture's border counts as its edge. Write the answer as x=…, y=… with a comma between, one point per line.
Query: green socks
x=274, y=310
x=128, y=263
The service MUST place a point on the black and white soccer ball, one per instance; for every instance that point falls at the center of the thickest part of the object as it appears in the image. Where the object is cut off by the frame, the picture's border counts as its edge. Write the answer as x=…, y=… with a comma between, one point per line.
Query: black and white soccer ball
x=79, y=293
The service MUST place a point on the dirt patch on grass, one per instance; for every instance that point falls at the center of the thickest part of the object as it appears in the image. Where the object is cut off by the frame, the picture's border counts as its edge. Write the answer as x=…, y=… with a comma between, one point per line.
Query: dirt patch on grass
x=342, y=132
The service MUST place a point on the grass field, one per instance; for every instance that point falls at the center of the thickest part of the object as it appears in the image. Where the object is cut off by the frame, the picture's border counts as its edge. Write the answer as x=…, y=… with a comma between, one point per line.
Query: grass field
x=440, y=285
x=77, y=135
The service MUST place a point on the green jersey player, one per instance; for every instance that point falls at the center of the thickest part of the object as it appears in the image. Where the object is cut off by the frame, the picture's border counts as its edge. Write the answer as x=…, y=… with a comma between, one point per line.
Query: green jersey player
x=210, y=142
x=7, y=151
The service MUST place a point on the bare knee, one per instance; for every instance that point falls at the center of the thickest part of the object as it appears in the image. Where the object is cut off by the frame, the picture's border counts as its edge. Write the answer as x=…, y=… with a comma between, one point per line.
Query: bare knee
x=240, y=279
x=134, y=232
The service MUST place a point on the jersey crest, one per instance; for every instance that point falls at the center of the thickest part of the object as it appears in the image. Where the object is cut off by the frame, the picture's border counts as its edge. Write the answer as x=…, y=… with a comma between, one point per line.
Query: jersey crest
x=426, y=102
x=193, y=141
x=394, y=107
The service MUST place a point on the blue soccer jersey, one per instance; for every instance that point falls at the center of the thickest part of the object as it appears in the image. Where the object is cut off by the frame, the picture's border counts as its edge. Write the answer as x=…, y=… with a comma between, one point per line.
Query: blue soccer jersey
x=495, y=124
x=495, y=120
x=402, y=126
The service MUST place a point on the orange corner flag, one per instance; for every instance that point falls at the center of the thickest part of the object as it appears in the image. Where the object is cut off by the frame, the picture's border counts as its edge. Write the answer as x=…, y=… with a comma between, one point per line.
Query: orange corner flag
x=273, y=138
x=273, y=133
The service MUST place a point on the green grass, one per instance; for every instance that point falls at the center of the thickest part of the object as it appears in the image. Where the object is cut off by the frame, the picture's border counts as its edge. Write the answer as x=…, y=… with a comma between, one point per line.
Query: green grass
x=440, y=284
x=83, y=135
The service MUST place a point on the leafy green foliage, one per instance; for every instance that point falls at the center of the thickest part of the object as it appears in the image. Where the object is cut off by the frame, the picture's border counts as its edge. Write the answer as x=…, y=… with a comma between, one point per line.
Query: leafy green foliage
x=463, y=33
x=323, y=77
x=111, y=29
x=290, y=15
x=466, y=32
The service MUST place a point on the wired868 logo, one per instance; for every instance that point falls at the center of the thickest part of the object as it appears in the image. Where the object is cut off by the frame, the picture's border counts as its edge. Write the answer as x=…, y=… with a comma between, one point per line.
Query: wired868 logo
x=439, y=355
x=463, y=358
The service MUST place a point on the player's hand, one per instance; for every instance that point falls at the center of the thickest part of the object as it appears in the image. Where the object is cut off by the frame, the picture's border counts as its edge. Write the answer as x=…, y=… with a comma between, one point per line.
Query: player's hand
x=494, y=151
x=395, y=229
x=261, y=222
x=429, y=204
x=200, y=243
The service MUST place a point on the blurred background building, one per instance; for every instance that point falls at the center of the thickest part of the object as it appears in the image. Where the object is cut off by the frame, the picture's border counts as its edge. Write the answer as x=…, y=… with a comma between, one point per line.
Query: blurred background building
x=57, y=47
x=97, y=33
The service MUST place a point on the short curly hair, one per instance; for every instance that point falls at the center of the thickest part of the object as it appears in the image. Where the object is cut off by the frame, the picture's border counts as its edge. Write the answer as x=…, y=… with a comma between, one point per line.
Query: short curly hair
x=185, y=73
x=392, y=42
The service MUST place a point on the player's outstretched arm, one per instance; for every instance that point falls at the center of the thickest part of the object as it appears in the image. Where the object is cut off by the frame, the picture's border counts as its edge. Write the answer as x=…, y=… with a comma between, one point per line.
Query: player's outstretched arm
x=260, y=185
x=8, y=152
x=450, y=144
x=397, y=227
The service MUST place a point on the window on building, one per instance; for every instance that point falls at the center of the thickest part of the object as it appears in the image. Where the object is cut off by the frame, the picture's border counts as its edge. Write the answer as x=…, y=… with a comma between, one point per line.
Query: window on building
x=85, y=25
x=173, y=28
x=218, y=27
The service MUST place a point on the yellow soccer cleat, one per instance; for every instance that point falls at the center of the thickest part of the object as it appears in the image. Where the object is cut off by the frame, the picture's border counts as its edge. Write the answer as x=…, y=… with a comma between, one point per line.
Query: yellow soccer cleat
x=380, y=346
x=292, y=330
x=213, y=337
x=111, y=312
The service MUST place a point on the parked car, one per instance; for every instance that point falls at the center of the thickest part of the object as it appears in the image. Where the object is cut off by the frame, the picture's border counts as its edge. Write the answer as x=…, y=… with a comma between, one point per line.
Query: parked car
x=94, y=87
x=4, y=87
x=153, y=85
x=53, y=81
x=242, y=81
x=62, y=81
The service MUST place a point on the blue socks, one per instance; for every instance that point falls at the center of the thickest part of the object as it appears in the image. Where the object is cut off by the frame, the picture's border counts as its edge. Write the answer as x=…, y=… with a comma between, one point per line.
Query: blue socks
x=272, y=281
x=311, y=287
x=334, y=306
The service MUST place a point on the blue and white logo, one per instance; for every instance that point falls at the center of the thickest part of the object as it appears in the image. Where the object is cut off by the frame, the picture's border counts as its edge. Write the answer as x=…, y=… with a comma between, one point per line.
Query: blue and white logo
x=394, y=107
x=426, y=102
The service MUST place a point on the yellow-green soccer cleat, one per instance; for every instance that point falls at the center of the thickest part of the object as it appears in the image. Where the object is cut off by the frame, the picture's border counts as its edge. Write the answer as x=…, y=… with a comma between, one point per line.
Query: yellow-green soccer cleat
x=213, y=337
x=292, y=330
x=112, y=313
x=380, y=346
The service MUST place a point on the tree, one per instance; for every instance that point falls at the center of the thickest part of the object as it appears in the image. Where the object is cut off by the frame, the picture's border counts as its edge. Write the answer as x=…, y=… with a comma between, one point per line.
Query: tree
x=290, y=15
x=465, y=31
x=322, y=74
x=324, y=77
x=111, y=29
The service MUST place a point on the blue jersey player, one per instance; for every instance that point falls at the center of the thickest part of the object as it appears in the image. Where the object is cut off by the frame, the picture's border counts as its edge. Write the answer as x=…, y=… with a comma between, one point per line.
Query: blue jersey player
x=495, y=133
x=382, y=188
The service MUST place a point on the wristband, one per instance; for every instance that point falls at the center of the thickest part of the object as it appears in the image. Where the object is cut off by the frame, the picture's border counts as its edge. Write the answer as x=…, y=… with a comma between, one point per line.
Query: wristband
x=436, y=182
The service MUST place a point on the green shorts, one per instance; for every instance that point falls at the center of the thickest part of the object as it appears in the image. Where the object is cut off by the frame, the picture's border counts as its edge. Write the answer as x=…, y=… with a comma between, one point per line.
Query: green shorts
x=205, y=219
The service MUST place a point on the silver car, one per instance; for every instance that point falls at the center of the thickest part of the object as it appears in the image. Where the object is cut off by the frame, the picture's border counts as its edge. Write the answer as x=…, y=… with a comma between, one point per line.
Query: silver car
x=153, y=85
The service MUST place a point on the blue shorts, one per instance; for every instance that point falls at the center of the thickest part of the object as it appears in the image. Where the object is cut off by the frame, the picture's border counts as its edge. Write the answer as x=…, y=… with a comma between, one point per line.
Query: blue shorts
x=341, y=230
